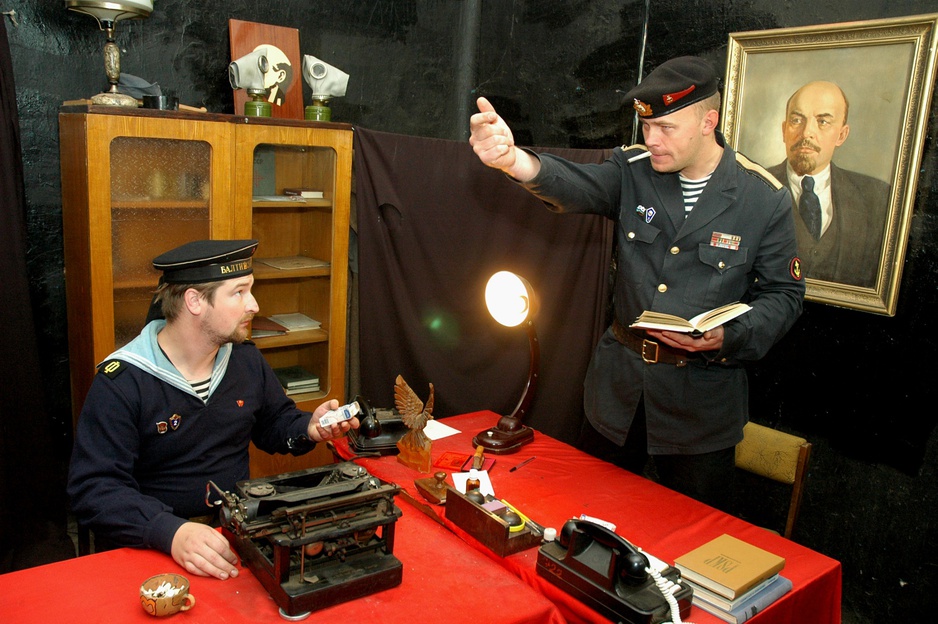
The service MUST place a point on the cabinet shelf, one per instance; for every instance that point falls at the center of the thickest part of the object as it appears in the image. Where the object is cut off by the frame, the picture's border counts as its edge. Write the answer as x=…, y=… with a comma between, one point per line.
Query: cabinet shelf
x=306, y=336
x=308, y=204
x=265, y=272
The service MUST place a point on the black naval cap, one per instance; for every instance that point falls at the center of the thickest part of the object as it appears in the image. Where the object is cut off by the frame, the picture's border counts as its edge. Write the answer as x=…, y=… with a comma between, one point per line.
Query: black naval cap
x=674, y=85
x=206, y=261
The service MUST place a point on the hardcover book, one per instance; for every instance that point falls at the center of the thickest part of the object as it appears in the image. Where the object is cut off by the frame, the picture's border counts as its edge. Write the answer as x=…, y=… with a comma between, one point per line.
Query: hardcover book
x=261, y=327
x=728, y=566
x=292, y=377
x=725, y=603
x=308, y=193
x=753, y=605
x=697, y=325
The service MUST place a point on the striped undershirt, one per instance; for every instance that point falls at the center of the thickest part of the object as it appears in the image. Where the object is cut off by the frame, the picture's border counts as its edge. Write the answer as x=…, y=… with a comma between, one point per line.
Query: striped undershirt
x=692, y=190
x=201, y=388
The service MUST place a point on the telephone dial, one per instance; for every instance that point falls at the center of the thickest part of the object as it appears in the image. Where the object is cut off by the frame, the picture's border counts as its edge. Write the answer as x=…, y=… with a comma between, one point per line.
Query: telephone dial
x=613, y=577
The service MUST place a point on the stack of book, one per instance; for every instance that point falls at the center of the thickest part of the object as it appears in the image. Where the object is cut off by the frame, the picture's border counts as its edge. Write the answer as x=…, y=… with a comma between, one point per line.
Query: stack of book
x=262, y=327
x=733, y=579
x=296, y=380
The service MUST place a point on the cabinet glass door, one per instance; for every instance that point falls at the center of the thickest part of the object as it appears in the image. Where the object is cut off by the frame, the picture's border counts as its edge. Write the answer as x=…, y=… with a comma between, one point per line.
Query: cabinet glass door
x=160, y=192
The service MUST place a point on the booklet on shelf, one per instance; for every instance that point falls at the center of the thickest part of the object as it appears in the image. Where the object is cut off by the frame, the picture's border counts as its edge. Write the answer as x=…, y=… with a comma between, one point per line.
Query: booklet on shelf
x=295, y=321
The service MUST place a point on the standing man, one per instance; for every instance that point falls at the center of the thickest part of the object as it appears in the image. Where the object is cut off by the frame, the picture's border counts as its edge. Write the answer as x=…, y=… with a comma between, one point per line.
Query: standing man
x=699, y=226
x=178, y=407
x=840, y=215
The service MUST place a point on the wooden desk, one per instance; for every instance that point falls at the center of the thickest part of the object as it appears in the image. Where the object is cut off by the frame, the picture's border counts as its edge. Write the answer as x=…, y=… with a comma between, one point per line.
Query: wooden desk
x=440, y=584
x=563, y=483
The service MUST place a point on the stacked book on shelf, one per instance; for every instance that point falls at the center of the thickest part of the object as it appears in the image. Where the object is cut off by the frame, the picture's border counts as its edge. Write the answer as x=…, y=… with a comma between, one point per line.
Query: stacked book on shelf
x=733, y=579
x=296, y=379
x=280, y=324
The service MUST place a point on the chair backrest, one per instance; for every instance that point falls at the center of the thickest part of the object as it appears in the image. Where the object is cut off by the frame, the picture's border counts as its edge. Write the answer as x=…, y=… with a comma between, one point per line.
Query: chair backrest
x=778, y=456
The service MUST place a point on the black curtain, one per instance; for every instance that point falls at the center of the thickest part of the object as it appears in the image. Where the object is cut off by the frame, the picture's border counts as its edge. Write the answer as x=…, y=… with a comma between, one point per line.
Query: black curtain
x=31, y=484
x=434, y=224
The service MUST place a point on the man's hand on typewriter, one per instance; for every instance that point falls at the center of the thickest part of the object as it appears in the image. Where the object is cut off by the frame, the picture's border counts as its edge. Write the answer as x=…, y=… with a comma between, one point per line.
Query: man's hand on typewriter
x=202, y=550
x=318, y=433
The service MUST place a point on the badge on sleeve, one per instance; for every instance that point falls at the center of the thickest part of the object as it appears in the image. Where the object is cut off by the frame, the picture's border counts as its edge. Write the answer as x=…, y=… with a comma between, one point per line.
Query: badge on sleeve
x=795, y=268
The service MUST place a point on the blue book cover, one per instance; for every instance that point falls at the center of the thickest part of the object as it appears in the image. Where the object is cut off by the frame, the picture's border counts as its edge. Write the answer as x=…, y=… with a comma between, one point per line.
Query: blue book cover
x=756, y=604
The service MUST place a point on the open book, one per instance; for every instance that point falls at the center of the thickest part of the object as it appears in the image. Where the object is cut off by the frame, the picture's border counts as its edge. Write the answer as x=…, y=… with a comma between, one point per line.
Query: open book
x=697, y=325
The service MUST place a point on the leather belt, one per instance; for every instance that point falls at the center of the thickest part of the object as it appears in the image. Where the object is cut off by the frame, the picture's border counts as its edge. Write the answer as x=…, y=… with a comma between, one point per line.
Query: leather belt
x=652, y=351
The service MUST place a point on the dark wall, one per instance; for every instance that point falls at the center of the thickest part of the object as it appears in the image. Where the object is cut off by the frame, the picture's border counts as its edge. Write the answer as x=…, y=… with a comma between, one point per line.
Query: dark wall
x=856, y=384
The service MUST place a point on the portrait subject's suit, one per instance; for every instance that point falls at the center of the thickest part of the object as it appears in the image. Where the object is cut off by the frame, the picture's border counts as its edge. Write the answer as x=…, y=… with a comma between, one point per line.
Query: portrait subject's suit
x=849, y=250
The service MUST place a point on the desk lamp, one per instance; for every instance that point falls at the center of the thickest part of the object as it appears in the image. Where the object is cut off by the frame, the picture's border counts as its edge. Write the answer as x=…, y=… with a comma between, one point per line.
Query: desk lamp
x=511, y=301
x=108, y=14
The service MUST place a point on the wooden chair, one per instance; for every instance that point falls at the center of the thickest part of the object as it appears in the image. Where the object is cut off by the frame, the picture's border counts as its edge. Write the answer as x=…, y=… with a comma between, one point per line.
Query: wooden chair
x=779, y=456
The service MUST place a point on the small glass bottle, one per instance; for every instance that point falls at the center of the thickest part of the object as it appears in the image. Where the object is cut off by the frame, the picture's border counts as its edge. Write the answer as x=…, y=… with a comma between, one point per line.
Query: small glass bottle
x=473, y=482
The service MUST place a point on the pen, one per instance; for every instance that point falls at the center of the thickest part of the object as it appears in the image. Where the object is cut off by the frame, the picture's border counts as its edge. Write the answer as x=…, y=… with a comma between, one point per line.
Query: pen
x=527, y=461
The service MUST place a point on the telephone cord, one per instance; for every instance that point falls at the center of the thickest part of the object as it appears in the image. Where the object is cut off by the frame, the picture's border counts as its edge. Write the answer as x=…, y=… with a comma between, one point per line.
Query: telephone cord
x=668, y=588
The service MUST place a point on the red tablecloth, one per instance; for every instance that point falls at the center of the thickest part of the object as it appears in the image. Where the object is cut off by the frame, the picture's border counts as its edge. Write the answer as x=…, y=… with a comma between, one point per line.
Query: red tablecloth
x=441, y=583
x=563, y=482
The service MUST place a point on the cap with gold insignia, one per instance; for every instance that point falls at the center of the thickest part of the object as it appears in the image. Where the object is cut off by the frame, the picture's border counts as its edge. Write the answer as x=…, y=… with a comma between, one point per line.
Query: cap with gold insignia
x=674, y=85
x=206, y=261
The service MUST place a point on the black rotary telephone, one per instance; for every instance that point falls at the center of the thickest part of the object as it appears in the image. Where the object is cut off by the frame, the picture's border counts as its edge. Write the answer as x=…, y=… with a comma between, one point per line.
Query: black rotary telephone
x=611, y=576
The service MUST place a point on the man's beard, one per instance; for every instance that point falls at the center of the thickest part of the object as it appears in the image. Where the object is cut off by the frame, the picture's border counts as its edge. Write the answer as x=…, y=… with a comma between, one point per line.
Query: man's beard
x=237, y=336
x=803, y=163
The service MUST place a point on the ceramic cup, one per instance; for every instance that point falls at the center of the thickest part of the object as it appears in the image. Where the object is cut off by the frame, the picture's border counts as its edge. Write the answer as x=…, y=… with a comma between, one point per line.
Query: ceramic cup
x=166, y=594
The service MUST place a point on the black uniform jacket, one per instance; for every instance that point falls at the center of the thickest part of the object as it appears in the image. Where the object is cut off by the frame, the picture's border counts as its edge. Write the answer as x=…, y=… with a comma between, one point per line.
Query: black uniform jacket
x=738, y=244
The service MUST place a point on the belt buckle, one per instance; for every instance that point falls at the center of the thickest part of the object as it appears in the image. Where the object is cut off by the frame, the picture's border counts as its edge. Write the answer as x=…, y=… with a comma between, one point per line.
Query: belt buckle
x=653, y=359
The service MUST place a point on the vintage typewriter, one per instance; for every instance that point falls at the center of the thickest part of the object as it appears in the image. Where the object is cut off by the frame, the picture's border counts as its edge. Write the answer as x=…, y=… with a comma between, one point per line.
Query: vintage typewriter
x=315, y=537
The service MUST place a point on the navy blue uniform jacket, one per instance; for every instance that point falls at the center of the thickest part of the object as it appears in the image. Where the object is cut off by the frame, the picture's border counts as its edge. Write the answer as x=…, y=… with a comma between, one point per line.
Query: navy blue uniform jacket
x=671, y=264
x=136, y=486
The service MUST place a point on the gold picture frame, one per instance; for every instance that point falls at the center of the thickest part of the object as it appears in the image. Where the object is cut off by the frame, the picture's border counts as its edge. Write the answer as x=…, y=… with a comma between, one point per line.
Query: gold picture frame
x=885, y=69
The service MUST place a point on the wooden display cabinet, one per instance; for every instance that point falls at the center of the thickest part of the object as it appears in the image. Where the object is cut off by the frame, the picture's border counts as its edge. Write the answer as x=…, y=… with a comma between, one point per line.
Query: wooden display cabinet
x=136, y=183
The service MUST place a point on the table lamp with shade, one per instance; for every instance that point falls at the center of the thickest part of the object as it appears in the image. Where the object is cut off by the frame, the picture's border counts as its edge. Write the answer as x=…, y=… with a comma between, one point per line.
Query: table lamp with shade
x=511, y=301
x=107, y=14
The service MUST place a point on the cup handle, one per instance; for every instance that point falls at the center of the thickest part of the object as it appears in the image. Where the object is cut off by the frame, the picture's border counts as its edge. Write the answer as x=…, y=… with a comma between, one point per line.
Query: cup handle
x=190, y=602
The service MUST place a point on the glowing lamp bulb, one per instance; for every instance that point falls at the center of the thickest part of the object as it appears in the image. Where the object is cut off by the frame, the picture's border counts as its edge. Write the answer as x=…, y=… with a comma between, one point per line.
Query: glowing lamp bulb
x=508, y=298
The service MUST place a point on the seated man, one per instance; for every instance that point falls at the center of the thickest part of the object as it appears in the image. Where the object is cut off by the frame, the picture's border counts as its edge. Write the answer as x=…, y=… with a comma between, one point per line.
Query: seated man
x=177, y=407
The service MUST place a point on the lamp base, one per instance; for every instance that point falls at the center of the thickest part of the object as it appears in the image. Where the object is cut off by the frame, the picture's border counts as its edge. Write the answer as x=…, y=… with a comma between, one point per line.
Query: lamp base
x=499, y=441
x=114, y=99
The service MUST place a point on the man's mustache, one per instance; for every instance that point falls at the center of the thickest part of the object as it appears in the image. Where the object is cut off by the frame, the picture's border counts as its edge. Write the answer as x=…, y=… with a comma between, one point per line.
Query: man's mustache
x=805, y=143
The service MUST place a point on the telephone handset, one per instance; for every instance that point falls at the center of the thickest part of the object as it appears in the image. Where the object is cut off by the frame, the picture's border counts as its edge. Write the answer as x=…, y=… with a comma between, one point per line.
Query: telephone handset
x=612, y=576
x=606, y=556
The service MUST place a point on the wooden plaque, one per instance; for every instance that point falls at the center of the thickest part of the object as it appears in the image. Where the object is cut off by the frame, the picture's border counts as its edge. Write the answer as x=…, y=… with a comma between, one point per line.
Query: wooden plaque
x=283, y=55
